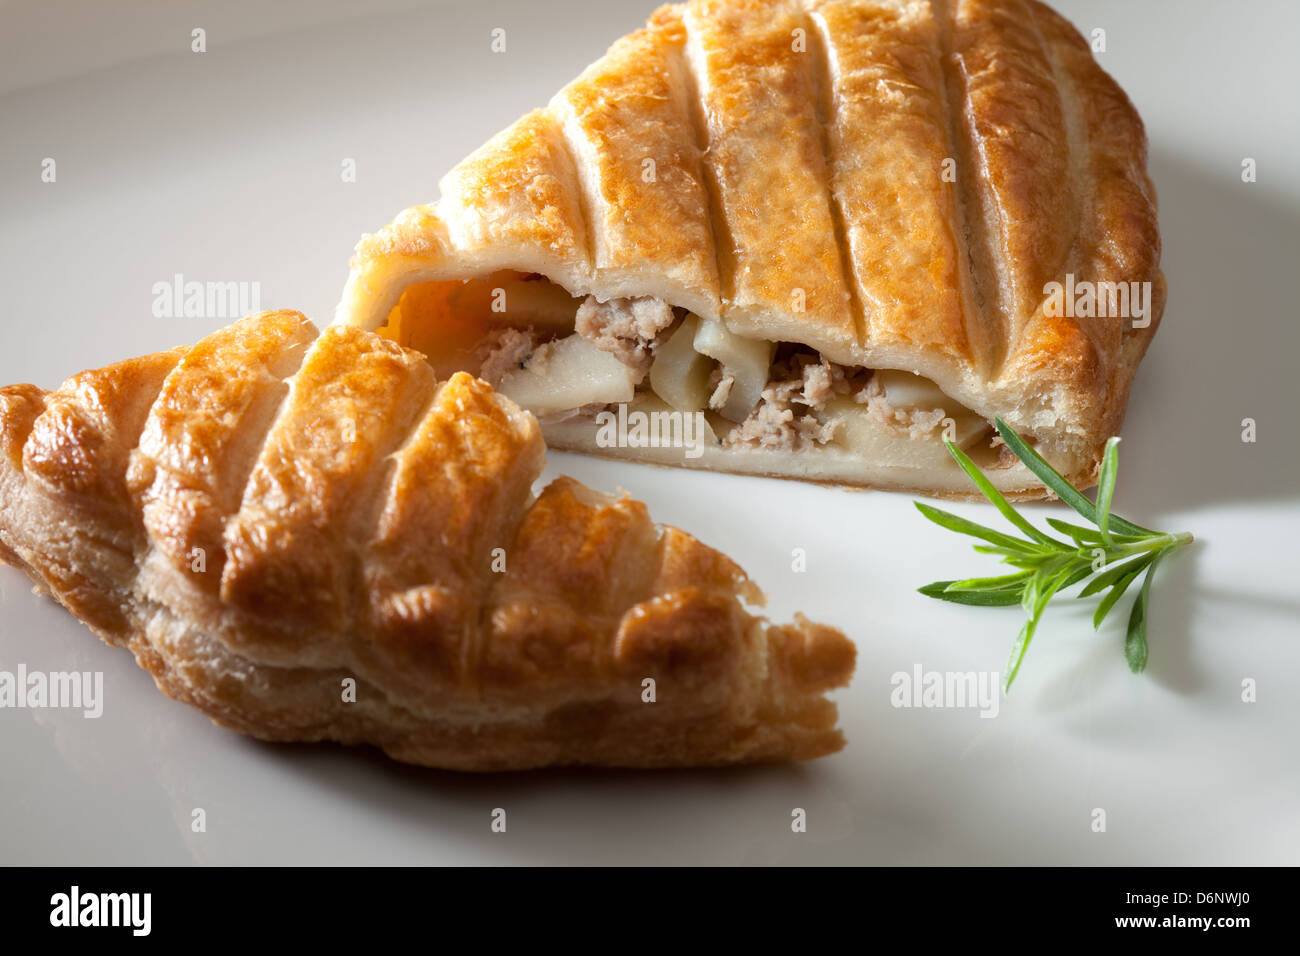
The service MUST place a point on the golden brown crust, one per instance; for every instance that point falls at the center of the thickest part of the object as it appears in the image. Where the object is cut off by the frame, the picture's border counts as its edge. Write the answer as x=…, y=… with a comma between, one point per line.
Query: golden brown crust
x=1122, y=244
x=628, y=121
x=290, y=549
x=1016, y=142
x=884, y=65
x=337, y=515
x=767, y=154
x=893, y=182
x=520, y=189
x=203, y=435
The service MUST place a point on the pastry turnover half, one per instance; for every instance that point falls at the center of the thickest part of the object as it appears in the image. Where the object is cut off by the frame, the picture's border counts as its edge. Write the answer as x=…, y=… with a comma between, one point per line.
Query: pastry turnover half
x=311, y=537
x=838, y=231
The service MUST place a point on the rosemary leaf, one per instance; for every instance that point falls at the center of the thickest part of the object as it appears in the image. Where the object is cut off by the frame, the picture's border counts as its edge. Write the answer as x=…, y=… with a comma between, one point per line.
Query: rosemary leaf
x=1109, y=558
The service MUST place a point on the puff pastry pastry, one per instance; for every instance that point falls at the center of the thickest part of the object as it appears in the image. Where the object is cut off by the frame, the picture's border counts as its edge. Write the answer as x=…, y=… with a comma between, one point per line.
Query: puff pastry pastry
x=269, y=514
x=863, y=205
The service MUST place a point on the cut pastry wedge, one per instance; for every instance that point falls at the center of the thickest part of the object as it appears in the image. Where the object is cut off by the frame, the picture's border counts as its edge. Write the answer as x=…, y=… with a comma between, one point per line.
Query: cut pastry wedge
x=832, y=228
x=311, y=537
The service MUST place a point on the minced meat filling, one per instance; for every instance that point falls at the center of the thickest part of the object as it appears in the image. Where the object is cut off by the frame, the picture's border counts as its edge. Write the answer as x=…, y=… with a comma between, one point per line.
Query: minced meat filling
x=802, y=383
x=917, y=422
x=785, y=419
x=628, y=329
x=504, y=350
x=721, y=382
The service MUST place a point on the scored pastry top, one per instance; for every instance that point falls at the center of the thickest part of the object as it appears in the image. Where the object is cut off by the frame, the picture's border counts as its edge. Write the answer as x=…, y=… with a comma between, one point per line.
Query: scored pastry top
x=271, y=510
x=891, y=182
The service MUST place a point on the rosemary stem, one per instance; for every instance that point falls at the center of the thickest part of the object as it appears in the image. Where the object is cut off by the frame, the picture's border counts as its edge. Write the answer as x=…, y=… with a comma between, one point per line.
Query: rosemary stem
x=1049, y=566
x=1157, y=543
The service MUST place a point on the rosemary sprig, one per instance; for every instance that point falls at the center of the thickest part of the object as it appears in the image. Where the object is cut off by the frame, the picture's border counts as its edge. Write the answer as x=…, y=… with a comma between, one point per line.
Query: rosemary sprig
x=1114, y=553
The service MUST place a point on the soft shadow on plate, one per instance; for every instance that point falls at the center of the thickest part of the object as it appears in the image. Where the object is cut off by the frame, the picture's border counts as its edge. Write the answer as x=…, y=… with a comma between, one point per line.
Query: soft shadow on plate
x=1171, y=661
x=449, y=814
x=1225, y=350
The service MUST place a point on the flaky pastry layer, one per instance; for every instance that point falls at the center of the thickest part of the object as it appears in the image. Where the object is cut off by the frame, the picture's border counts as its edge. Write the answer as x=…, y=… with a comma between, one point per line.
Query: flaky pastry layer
x=894, y=183
x=309, y=537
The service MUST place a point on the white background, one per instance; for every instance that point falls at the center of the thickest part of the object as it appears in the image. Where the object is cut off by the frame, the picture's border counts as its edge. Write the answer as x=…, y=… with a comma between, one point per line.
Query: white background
x=225, y=166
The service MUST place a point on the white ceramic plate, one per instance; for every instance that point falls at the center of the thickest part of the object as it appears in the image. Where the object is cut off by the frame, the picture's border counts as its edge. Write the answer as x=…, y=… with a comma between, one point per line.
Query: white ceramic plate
x=226, y=166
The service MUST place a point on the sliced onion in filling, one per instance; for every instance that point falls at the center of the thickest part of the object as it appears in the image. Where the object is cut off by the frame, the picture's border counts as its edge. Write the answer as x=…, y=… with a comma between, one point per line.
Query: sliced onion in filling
x=680, y=374
x=747, y=361
x=938, y=416
x=566, y=374
x=749, y=392
x=860, y=435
